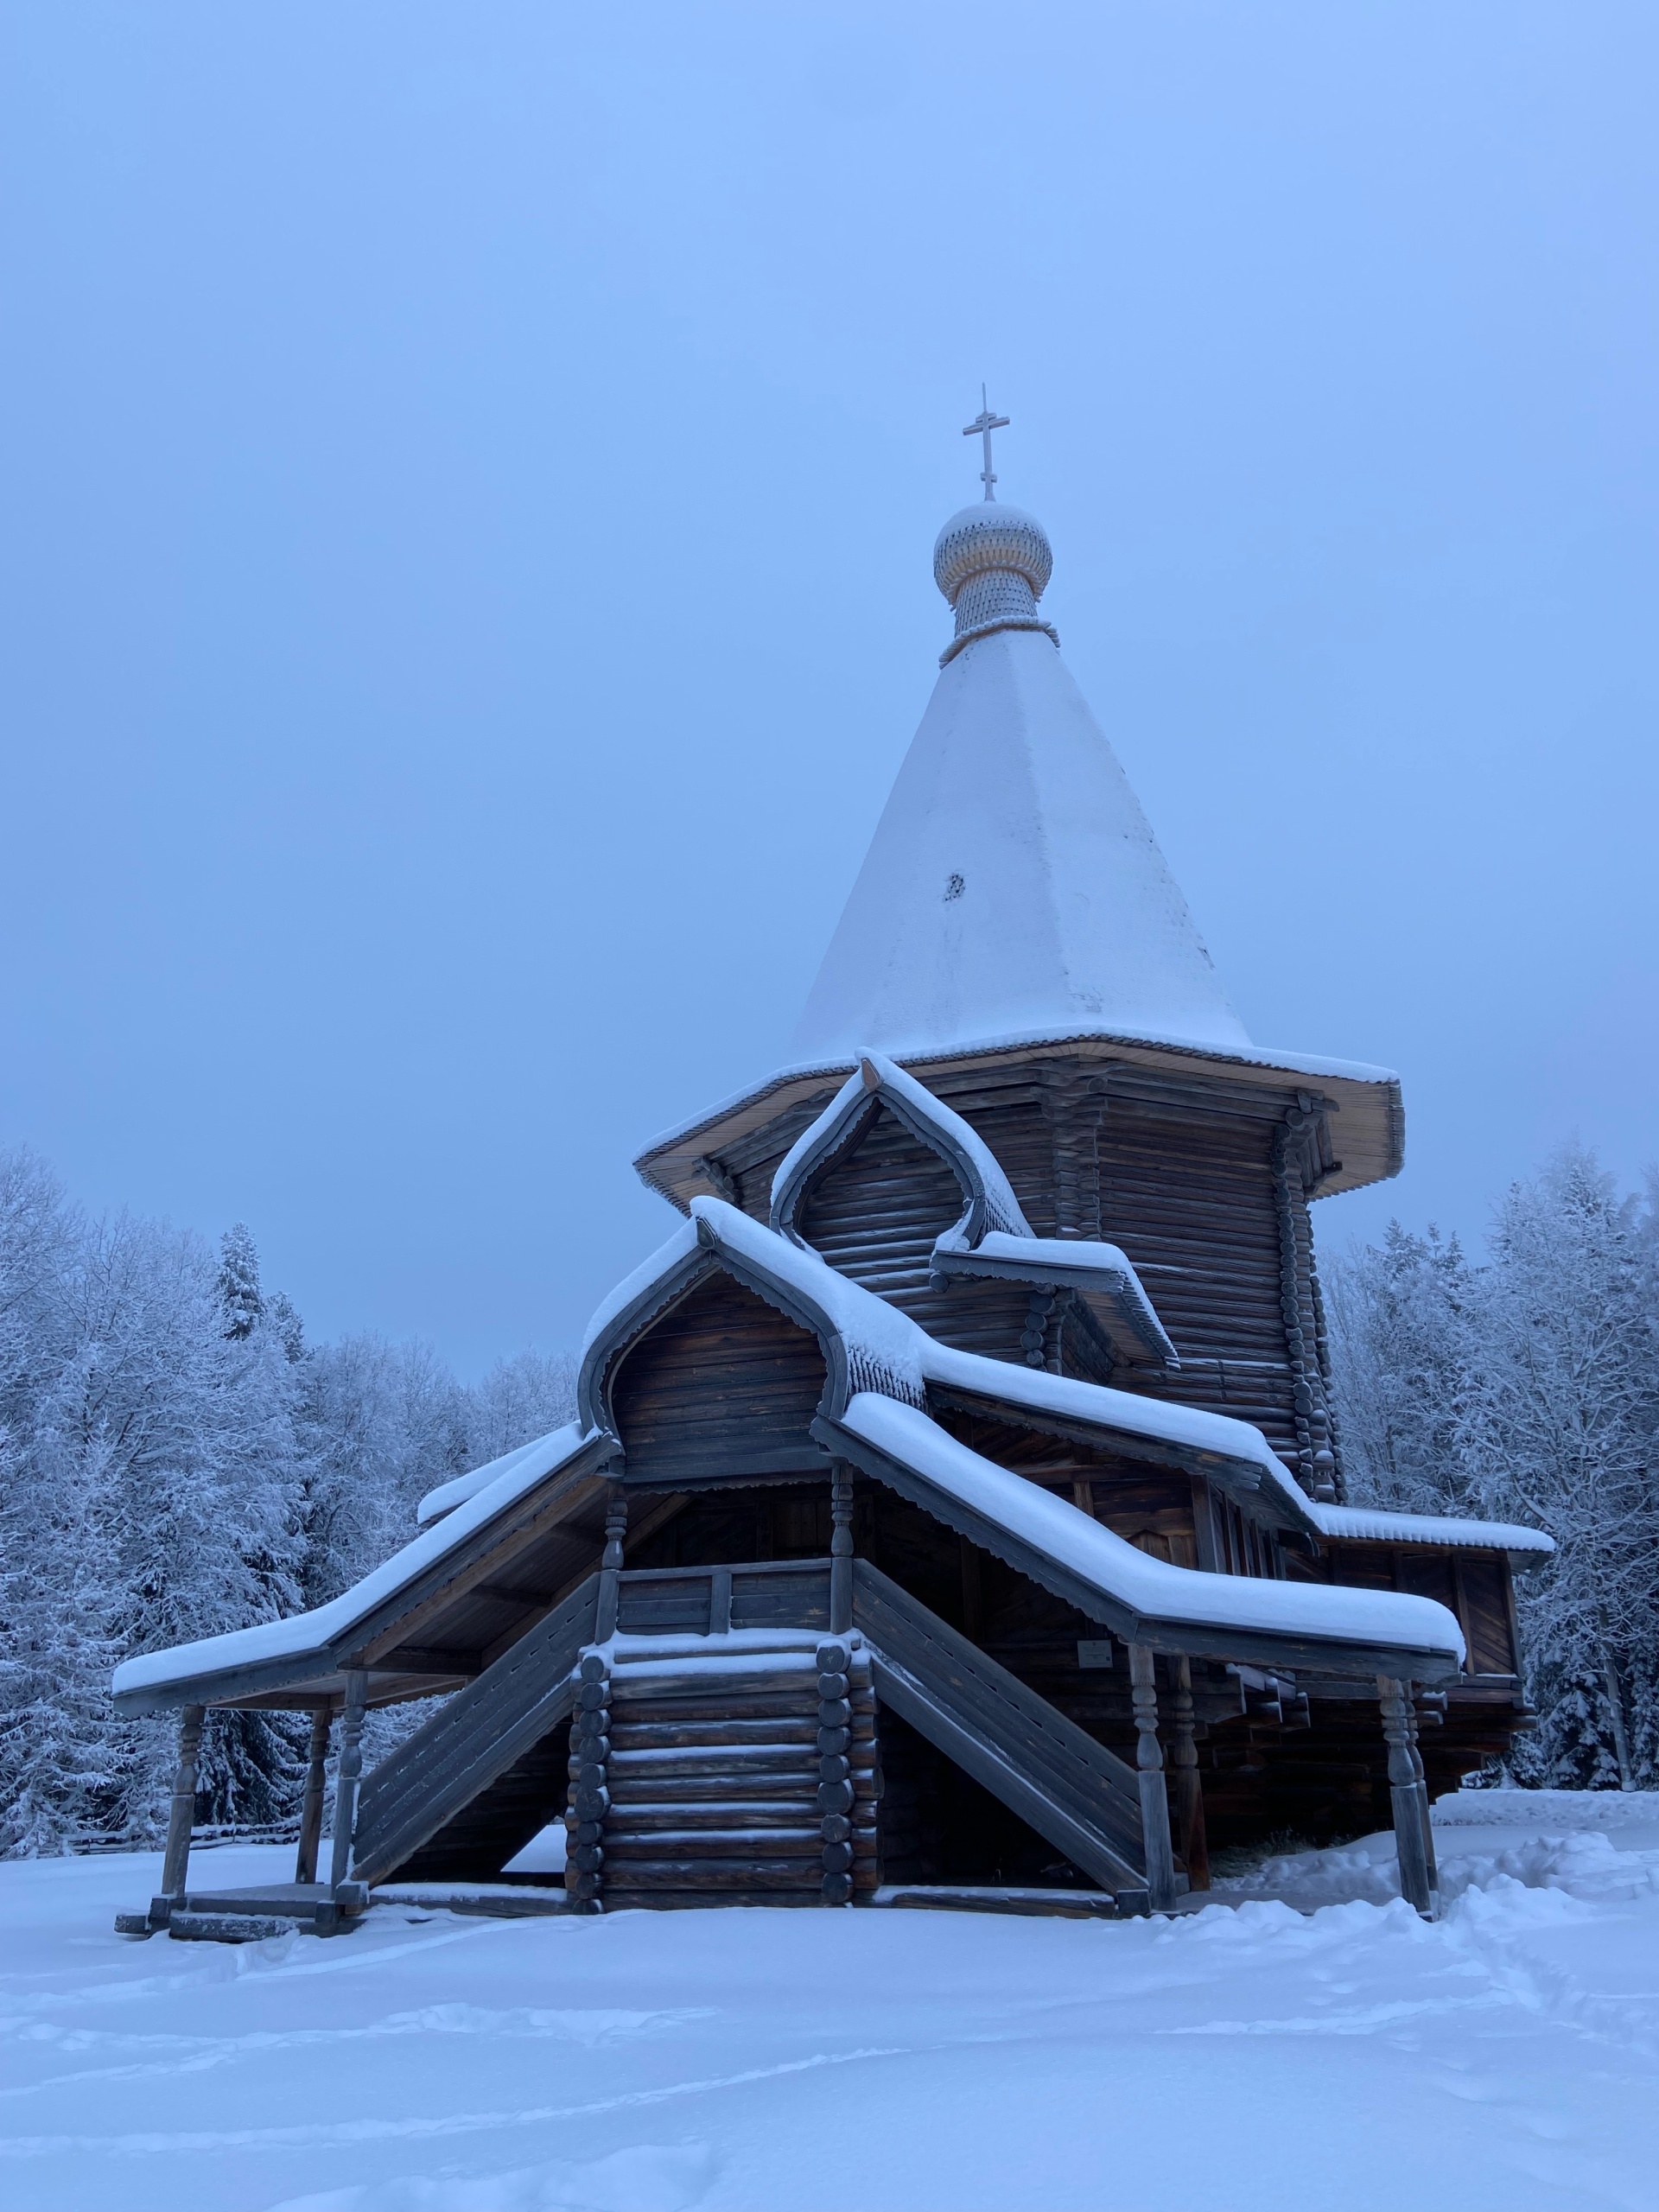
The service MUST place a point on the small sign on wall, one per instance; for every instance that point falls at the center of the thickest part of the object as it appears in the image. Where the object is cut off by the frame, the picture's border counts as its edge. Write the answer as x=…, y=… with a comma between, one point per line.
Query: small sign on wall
x=1092, y=1653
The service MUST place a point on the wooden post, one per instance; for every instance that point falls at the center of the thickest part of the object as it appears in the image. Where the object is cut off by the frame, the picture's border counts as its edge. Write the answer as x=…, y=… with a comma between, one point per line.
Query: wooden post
x=1413, y=1839
x=835, y=1766
x=1154, y=1800
x=181, y=1814
x=610, y=1565
x=305, y=1863
x=1189, y=1784
x=589, y=1797
x=720, y=1601
x=840, y=1548
x=347, y=1775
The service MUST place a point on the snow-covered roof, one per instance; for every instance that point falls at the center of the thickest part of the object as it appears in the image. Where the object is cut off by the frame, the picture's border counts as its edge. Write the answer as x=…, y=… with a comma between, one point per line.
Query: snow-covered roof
x=447, y=1496
x=1122, y=1577
x=987, y=1195
x=882, y=1359
x=881, y=1345
x=303, y=1636
x=1013, y=883
x=881, y=1341
x=1100, y=1270
x=1372, y=1127
x=1372, y=1524
x=1120, y=1413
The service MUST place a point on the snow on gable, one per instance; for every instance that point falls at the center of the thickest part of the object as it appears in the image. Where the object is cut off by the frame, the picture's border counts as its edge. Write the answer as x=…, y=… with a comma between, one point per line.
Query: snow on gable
x=989, y=1202
x=661, y=1264
x=884, y=1346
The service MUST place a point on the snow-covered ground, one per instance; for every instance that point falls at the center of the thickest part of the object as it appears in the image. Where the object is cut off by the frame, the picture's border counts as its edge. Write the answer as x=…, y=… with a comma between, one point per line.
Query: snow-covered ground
x=899, y=2061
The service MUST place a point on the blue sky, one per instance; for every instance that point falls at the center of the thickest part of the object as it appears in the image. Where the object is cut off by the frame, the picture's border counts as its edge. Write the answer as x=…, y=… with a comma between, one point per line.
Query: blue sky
x=469, y=476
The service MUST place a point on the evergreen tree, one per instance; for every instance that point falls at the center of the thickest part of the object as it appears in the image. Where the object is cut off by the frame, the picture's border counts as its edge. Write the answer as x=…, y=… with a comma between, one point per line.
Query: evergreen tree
x=1528, y=1390
x=238, y=1282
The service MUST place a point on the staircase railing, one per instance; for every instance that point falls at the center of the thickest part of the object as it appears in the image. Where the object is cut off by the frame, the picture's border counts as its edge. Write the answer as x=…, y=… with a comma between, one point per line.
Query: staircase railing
x=1079, y=1796
x=472, y=1741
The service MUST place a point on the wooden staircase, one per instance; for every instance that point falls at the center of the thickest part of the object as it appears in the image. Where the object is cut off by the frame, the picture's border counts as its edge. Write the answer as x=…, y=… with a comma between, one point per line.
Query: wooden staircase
x=718, y=1754
x=1081, y=1797
x=473, y=1786
x=735, y=1768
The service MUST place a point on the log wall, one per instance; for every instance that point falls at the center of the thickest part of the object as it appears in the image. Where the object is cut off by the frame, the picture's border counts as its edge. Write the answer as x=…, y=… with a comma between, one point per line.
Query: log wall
x=721, y=1385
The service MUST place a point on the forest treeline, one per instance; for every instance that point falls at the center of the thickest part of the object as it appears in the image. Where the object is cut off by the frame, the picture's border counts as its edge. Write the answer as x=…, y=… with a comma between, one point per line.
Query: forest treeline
x=1524, y=1386
x=177, y=1459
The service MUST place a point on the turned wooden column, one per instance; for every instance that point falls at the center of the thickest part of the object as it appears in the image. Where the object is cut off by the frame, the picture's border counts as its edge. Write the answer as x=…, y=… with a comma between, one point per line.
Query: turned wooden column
x=1154, y=1800
x=181, y=1814
x=305, y=1861
x=835, y=1770
x=610, y=1565
x=1189, y=1784
x=589, y=1798
x=840, y=1548
x=347, y=1775
x=1414, y=1839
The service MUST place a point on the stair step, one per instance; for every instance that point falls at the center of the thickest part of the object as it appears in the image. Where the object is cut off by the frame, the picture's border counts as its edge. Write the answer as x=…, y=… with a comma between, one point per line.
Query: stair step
x=232, y=1927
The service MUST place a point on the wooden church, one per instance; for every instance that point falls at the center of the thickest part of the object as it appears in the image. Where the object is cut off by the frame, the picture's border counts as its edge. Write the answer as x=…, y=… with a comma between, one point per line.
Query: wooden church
x=954, y=1510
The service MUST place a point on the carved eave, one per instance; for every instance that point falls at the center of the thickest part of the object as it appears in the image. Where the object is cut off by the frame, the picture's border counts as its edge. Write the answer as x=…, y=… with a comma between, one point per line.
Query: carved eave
x=1369, y=1136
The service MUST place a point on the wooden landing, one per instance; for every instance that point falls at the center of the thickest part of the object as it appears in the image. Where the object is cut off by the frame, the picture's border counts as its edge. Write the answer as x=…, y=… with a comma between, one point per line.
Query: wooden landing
x=289, y=1900
x=1063, y=1904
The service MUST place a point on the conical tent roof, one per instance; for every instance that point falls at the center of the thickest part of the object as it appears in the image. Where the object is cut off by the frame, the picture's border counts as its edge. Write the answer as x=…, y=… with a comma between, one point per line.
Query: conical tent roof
x=1014, y=899
x=1013, y=886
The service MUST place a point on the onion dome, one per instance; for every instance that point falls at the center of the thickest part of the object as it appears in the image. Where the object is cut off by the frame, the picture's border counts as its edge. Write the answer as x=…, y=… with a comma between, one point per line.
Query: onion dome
x=992, y=563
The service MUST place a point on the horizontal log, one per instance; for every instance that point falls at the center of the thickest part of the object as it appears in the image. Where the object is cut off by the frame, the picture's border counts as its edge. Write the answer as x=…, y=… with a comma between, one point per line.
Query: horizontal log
x=744, y=1847
x=750, y=1872
x=652, y=1816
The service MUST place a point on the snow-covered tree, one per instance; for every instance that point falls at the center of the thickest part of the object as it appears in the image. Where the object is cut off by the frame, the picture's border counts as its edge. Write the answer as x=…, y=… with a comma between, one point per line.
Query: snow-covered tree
x=382, y=1424
x=1403, y=1315
x=239, y=1282
x=1564, y=1433
x=1527, y=1389
x=518, y=1400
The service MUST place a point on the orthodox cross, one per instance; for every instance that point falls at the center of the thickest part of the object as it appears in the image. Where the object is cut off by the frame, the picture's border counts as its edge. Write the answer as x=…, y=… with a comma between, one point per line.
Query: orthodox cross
x=981, y=426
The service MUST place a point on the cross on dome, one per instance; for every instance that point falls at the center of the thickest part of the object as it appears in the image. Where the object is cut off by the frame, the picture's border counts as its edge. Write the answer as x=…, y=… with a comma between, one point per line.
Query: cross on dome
x=981, y=426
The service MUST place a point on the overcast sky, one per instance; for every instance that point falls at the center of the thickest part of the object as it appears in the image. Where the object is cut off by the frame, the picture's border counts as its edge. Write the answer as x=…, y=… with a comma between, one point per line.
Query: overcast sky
x=470, y=474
